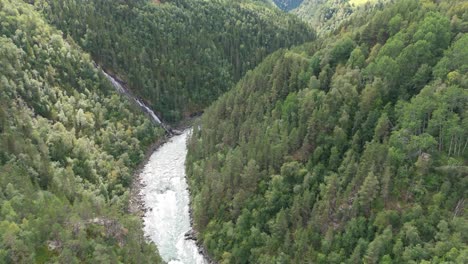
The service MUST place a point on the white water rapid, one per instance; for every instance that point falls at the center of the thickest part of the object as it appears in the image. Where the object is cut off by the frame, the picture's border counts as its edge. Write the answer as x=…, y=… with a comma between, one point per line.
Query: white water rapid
x=166, y=196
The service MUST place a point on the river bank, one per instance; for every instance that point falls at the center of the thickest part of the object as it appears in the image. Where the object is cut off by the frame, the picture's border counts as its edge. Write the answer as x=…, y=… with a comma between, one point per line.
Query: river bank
x=171, y=196
x=163, y=196
x=136, y=204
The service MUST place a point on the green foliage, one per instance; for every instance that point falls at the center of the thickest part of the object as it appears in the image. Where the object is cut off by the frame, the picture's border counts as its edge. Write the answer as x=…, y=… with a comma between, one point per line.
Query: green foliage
x=178, y=55
x=326, y=16
x=287, y=4
x=68, y=146
x=356, y=148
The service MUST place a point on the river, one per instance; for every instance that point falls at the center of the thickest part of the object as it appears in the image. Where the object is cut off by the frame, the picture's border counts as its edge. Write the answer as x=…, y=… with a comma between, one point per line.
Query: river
x=165, y=193
x=166, y=197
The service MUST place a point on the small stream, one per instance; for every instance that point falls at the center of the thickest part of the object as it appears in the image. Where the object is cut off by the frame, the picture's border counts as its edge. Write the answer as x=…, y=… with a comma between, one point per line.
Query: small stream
x=122, y=90
x=166, y=197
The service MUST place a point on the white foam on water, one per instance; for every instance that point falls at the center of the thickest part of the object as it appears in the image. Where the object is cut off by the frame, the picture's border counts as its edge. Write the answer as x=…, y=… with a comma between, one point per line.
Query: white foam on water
x=165, y=195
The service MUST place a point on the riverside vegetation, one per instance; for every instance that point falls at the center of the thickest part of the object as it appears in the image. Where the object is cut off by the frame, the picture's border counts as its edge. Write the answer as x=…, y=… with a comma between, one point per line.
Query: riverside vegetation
x=69, y=143
x=349, y=149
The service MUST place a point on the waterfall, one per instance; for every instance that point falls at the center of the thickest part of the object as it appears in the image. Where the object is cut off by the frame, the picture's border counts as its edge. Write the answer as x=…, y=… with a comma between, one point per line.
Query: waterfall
x=122, y=90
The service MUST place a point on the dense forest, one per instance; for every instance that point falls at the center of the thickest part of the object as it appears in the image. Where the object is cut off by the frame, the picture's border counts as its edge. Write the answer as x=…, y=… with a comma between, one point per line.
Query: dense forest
x=179, y=55
x=326, y=16
x=68, y=147
x=287, y=5
x=349, y=149
x=69, y=144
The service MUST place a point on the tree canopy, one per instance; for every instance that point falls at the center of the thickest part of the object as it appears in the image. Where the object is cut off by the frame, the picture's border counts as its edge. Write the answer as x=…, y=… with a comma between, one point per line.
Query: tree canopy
x=178, y=55
x=349, y=149
x=68, y=147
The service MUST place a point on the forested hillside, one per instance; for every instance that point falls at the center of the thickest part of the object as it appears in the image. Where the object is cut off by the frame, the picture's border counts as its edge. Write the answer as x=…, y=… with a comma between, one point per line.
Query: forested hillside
x=179, y=55
x=327, y=15
x=350, y=149
x=68, y=147
x=287, y=4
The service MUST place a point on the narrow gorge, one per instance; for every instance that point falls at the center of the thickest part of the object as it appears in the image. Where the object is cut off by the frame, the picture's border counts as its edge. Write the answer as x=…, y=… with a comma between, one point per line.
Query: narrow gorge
x=164, y=192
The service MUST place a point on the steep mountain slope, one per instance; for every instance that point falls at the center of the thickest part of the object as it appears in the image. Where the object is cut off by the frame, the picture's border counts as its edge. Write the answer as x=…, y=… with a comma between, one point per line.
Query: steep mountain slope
x=288, y=5
x=179, y=55
x=350, y=149
x=327, y=15
x=68, y=147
